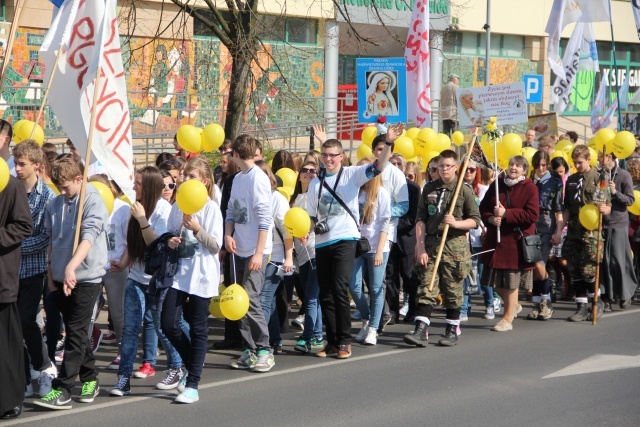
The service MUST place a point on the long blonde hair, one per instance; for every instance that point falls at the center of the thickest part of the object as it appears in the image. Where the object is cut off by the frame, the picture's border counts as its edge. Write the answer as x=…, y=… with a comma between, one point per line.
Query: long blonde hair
x=202, y=166
x=371, y=187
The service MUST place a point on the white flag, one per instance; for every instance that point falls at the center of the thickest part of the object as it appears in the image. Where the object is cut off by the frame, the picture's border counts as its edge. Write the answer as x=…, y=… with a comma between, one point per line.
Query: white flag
x=635, y=6
x=564, y=84
x=87, y=34
x=565, y=12
x=417, y=56
x=588, y=50
x=623, y=94
x=635, y=98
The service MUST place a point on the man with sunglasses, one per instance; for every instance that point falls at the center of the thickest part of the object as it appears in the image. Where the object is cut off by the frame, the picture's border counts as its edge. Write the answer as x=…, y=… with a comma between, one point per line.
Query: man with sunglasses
x=455, y=265
x=336, y=234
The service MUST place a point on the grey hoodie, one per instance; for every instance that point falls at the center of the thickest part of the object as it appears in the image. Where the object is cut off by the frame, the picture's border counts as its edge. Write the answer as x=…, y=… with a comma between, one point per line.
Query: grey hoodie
x=60, y=225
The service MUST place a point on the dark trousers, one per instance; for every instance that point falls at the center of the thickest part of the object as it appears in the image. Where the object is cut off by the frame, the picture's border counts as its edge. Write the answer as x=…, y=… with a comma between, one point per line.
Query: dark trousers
x=192, y=348
x=29, y=295
x=334, y=266
x=399, y=266
x=11, y=358
x=53, y=325
x=231, y=327
x=76, y=310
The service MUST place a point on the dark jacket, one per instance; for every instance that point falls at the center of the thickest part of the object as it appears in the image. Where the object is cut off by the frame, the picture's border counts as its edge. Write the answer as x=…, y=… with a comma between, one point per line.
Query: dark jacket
x=162, y=264
x=406, y=238
x=522, y=206
x=619, y=217
x=15, y=226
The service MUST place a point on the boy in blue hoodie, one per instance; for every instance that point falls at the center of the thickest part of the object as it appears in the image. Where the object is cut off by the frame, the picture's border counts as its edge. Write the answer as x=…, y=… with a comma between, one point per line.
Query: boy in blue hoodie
x=74, y=278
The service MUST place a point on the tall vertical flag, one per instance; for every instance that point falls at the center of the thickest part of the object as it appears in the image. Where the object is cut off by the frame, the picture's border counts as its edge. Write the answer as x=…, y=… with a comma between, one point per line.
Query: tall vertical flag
x=623, y=94
x=635, y=6
x=565, y=12
x=598, y=105
x=564, y=82
x=418, y=56
x=86, y=33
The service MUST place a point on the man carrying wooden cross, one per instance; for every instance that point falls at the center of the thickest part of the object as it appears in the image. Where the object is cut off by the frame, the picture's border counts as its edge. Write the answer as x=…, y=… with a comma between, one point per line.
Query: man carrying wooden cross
x=455, y=265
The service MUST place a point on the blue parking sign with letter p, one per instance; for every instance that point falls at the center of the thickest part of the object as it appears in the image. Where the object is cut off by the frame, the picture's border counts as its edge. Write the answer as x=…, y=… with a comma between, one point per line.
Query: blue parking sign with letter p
x=533, y=84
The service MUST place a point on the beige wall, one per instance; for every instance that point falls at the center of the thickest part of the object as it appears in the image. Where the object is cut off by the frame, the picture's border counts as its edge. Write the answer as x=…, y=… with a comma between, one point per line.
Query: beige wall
x=303, y=8
x=529, y=17
x=35, y=14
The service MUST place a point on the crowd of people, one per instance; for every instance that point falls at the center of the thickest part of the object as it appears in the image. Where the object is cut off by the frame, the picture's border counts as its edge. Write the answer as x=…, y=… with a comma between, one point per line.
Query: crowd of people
x=375, y=233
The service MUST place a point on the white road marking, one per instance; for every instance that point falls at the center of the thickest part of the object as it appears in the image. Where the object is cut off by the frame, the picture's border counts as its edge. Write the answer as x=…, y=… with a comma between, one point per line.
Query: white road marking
x=598, y=363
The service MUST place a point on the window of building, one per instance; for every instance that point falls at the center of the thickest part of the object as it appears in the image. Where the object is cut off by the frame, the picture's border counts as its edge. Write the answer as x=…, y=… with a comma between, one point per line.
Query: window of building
x=473, y=44
x=269, y=28
x=3, y=10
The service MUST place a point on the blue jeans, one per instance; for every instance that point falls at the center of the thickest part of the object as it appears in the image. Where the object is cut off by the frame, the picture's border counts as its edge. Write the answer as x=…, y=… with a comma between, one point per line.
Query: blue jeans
x=268, y=301
x=376, y=278
x=487, y=291
x=137, y=307
x=312, y=312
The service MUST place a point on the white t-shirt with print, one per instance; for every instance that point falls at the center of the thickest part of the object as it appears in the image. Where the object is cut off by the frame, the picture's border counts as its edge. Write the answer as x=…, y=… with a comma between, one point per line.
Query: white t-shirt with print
x=341, y=225
x=381, y=213
x=117, y=232
x=396, y=184
x=280, y=207
x=158, y=223
x=198, y=269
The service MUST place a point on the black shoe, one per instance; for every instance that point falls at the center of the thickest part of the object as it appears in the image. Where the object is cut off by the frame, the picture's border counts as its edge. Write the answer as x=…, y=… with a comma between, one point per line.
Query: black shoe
x=14, y=413
x=226, y=344
x=419, y=337
x=450, y=336
x=581, y=314
x=409, y=318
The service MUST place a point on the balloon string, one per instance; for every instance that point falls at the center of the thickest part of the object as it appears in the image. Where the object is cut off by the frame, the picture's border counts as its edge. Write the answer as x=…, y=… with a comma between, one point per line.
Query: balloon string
x=309, y=255
x=233, y=263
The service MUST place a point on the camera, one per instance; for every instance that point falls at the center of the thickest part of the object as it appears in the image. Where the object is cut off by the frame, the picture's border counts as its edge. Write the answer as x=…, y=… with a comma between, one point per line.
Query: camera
x=321, y=227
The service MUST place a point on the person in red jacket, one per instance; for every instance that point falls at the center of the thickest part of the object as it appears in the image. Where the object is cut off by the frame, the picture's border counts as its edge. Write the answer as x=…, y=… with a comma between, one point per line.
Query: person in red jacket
x=517, y=207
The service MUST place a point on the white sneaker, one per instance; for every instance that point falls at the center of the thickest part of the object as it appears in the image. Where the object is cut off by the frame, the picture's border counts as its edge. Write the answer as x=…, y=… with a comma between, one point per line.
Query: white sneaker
x=372, y=337
x=405, y=309
x=46, y=377
x=298, y=322
x=490, y=314
x=363, y=332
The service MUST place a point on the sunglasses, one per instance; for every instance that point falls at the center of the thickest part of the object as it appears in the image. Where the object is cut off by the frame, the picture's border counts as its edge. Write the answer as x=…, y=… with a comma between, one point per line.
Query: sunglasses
x=329, y=155
x=308, y=170
x=433, y=170
x=471, y=170
x=170, y=186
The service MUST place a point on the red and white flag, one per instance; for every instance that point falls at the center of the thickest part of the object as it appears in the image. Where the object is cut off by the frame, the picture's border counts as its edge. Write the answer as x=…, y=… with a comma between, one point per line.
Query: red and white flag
x=417, y=56
x=86, y=31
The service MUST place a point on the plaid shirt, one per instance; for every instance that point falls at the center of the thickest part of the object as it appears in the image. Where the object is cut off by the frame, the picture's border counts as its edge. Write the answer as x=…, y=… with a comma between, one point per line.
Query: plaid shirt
x=34, y=249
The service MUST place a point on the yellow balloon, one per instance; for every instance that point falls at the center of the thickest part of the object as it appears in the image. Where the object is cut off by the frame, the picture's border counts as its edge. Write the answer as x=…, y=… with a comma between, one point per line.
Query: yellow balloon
x=528, y=153
x=412, y=133
x=444, y=143
x=23, y=131
x=593, y=158
x=565, y=145
x=125, y=199
x=191, y=196
x=212, y=137
x=404, y=146
x=363, y=151
x=297, y=222
x=234, y=302
x=288, y=177
x=414, y=159
x=592, y=143
x=285, y=193
x=457, y=138
x=189, y=138
x=510, y=145
x=368, y=134
x=214, y=308
x=559, y=153
x=4, y=174
x=426, y=158
x=105, y=194
x=589, y=216
x=635, y=207
x=604, y=137
x=221, y=288
x=488, y=148
x=503, y=162
x=427, y=140
x=623, y=144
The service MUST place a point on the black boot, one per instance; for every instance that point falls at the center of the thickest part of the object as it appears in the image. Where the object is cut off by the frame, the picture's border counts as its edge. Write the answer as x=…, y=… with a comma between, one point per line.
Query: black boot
x=450, y=336
x=580, y=315
x=419, y=337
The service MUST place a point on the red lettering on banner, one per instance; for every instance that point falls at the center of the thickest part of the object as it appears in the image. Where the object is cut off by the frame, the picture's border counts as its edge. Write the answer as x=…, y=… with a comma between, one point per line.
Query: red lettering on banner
x=115, y=50
x=83, y=33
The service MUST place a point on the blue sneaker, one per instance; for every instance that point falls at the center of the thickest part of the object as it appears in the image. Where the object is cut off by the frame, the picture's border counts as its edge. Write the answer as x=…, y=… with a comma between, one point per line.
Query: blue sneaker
x=356, y=315
x=464, y=317
x=189, y=395
x=303, y=346
x=317, y=343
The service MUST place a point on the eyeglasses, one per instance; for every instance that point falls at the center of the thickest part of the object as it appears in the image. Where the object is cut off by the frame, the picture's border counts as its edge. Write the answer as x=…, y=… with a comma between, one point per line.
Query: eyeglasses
x=329, y=155
x=308, y=170
x=433, y=170
x=446, y=167
x=170, y=186
x=471, y=170
x=396, y=163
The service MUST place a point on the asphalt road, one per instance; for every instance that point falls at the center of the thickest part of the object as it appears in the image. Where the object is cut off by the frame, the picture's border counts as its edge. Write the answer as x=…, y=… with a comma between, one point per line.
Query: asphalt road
x=488, y=379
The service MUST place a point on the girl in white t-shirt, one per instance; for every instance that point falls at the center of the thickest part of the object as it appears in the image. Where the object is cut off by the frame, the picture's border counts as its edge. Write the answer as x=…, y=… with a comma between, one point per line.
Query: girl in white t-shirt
x=196, y=280
x=375, y=204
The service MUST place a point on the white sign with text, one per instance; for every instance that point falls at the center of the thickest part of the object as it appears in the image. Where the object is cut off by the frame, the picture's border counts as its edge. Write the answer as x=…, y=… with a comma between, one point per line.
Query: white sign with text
x=507, y=102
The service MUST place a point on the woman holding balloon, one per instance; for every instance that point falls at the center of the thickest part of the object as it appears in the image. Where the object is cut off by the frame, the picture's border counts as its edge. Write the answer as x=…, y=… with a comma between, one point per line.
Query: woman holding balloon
x=198, y=222
x=515, y=211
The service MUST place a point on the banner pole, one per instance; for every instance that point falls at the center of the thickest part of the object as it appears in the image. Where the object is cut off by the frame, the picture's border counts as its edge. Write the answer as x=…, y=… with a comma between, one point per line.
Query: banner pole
x=46, y=93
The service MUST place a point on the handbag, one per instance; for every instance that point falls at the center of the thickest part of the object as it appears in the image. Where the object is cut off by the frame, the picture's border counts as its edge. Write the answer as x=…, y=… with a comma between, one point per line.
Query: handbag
x=362, y=244
x=531, y=245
